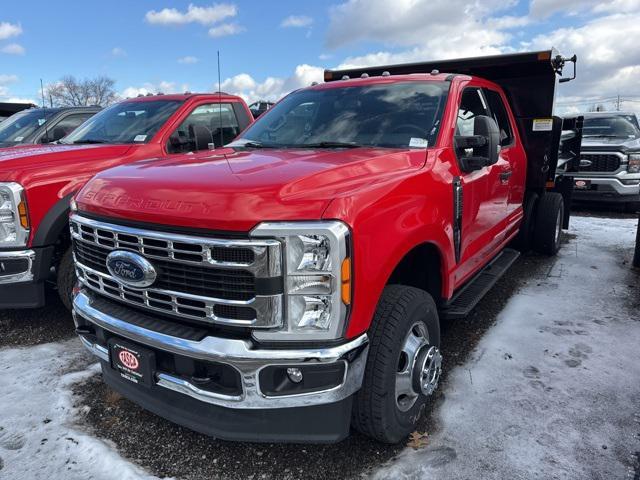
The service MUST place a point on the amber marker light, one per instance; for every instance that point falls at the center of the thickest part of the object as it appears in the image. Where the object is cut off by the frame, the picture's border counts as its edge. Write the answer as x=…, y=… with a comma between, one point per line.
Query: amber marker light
x=346, y=281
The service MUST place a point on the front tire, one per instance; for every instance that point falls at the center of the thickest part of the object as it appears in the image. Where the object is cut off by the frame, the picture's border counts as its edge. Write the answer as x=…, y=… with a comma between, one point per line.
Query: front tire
x=66, y=278
x=404, y=362
x=547, y=233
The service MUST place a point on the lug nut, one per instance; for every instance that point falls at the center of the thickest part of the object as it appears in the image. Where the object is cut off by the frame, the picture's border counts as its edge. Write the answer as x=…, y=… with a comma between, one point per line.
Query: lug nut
x=295, y=374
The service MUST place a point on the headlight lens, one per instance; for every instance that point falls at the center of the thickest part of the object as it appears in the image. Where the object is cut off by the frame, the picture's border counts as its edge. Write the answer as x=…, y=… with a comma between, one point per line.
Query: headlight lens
x=14, y=217
x=634, y=163
x=316, y=277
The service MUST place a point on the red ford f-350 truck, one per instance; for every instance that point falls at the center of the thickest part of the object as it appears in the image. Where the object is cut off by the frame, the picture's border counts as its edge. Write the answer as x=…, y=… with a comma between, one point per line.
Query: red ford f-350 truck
x=37, y=182
x=292, y=284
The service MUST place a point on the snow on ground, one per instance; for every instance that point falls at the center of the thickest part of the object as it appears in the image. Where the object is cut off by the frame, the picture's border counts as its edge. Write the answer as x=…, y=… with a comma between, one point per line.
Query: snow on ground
x=38, y=439
x=553, y=390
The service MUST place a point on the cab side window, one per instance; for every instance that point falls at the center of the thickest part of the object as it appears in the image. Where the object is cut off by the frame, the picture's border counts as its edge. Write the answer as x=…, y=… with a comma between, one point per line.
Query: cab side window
x=472, y=105
x=214, y=123
x=499, y=114
x=64, y=127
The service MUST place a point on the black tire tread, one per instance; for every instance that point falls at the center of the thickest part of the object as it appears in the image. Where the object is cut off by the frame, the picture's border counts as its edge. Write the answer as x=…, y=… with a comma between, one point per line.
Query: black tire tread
x=66, y=278
x=546, y=216
x=368, y=415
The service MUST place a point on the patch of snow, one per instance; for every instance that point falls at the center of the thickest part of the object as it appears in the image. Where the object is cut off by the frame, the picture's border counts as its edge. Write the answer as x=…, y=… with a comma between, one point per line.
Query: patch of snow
x=38, y=438
x=552, y=390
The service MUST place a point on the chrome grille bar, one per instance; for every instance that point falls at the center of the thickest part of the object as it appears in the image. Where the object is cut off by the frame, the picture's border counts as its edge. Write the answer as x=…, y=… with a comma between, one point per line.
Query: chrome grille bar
x=186, y=249
x=263, y=260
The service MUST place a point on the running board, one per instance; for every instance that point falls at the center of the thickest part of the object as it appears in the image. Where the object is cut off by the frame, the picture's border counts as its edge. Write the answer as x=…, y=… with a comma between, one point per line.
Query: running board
x=471, y=293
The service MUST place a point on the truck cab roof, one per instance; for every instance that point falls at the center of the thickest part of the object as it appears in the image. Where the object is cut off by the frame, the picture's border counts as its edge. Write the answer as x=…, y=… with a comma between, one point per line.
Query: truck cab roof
x=216, y=96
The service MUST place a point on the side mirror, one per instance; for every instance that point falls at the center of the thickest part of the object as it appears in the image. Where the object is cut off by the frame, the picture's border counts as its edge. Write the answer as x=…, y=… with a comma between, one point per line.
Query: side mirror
x=480, y=149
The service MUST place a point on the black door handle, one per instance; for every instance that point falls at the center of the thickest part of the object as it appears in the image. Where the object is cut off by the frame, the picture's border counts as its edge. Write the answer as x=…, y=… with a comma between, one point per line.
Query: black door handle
x=504, y=176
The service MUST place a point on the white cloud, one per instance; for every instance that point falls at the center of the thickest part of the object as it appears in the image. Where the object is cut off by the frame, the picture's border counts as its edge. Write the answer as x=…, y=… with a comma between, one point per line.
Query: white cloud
x=412, y=22
x=8, y=30
x=118, y=52
x=153, y=88
x=272, y=88
x=5, y=80
x=225, y=29
x=13, y=49
x=188, y=60
x=608, y=56
x=194, y=14
x=297, y=21
x=544, y=8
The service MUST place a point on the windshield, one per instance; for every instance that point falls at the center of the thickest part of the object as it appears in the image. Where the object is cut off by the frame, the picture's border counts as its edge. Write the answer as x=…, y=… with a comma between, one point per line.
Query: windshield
x=397, y=115
x=23, y=124
x=625, y=126
x=125, y=122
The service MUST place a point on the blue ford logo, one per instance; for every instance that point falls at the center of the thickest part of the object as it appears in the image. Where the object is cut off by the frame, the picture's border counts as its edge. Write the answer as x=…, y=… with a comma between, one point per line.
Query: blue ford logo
x=131, y=269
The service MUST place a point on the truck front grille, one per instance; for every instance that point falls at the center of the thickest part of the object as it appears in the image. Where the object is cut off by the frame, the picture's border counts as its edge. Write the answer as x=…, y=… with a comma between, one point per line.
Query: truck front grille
x=233, y=282
x=600, y=162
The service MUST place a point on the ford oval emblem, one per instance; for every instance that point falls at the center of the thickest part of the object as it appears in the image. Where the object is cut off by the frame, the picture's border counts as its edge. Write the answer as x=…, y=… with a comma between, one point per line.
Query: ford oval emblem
x=585, y=163
x=131, y=269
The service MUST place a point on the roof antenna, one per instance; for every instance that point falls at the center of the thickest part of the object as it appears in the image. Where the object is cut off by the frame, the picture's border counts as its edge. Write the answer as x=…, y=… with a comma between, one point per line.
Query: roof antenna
x=44, y=107
x=220, y=102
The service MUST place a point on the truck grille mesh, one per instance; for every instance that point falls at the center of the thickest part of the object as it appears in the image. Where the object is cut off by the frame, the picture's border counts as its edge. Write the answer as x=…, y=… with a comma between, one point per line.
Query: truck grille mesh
x=196, y=278
x=600, y=162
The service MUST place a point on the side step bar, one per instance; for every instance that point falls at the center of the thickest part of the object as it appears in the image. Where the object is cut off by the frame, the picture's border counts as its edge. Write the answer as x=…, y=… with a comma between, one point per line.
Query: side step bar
x=472, y=292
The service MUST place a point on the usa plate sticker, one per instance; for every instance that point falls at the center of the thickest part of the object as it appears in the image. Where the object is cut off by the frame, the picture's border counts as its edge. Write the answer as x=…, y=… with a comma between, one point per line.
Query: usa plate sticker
x=418, y=142
x=542, y=124
x=139, y=138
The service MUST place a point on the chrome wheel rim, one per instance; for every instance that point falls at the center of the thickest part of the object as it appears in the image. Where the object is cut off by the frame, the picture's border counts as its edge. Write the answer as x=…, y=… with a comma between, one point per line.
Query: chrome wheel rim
x=418, y=368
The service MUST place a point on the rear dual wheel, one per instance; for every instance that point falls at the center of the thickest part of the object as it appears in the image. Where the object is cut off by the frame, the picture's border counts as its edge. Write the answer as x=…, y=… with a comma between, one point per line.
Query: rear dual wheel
x=403, y=366
x=547, y=232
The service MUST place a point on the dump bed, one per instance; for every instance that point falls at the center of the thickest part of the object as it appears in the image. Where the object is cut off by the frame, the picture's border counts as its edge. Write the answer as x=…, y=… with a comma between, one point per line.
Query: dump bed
x=529, y=81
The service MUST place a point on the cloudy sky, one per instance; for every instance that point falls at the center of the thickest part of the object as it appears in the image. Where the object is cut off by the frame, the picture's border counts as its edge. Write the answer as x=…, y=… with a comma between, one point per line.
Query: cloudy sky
x=269, y=48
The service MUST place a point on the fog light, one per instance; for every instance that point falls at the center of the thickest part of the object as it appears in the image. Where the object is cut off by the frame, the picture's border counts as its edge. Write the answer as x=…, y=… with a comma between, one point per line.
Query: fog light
x=294, y=374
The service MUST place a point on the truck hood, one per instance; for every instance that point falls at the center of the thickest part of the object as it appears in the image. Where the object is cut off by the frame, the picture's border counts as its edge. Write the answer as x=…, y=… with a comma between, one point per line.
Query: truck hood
x=19, y=161
x=608, y=144
x=233, y=191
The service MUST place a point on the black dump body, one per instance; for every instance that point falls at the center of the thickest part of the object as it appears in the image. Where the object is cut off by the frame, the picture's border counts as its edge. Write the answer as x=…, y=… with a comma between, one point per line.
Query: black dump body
x=8, y=109
x=529, y=81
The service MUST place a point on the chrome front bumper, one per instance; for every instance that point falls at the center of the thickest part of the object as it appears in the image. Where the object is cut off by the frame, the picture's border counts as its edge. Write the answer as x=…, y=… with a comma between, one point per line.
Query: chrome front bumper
x=25, y=274
x=237, y=353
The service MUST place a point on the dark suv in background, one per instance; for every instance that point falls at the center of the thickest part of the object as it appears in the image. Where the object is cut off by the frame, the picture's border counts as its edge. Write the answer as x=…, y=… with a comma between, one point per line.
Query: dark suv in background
x=609, y=169
x=42, y=125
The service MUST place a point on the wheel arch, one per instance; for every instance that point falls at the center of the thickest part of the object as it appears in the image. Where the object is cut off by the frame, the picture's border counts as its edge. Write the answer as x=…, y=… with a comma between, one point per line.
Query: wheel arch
x=423, y=267
x=54, y=225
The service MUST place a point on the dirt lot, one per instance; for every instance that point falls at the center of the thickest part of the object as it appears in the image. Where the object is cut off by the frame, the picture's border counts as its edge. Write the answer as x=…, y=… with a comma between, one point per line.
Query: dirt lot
x=96, y=425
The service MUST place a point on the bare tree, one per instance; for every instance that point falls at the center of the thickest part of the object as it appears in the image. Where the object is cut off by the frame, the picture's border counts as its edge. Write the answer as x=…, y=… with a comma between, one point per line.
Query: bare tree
x=70, y=91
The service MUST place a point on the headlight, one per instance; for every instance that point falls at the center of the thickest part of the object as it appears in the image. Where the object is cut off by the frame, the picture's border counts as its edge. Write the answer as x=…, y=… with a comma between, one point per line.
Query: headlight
x=317, y=279
x=14, y=217
x=634, y=163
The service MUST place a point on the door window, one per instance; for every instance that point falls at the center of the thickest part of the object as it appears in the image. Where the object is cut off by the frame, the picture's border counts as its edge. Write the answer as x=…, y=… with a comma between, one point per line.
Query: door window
x=472, y=105
x=65, y=126
x=499, y=114
x=214, y=123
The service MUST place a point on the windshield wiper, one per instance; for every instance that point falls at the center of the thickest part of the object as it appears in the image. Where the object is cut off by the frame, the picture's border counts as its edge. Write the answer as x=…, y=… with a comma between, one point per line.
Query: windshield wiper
x=250, y=144
x=88, y=141
x=328, y=145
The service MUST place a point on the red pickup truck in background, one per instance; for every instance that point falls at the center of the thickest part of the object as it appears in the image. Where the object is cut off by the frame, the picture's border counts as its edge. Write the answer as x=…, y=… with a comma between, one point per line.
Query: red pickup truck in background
x=37, y=182
x=292, y=283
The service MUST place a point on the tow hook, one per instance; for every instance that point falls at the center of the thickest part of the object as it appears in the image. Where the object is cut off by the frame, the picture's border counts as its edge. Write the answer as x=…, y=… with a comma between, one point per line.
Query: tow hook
x=427, y=370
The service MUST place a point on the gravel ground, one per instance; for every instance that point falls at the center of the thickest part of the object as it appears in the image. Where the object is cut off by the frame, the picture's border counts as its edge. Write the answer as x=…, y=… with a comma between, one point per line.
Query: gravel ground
x=167, y=450
x=33, y=327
